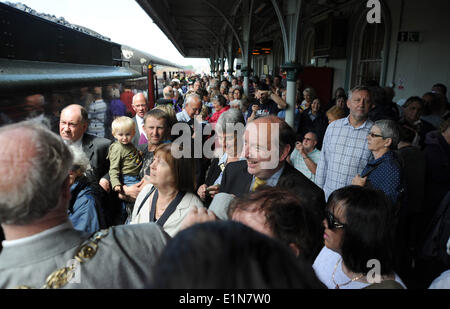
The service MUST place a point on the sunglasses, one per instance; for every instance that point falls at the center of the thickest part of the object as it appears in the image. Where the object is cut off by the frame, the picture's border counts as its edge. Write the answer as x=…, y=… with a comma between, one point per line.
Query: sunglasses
x=332, y=222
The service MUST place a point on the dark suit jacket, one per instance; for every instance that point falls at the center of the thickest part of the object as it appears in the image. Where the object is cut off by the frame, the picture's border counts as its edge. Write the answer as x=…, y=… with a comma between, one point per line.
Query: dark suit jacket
x=236, y=180
x=213, y=172
x=137, y=134
x=319, y=126
x=96, y=149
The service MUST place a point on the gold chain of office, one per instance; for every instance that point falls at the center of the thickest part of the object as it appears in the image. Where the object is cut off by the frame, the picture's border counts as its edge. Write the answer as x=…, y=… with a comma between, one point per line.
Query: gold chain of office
x=62, y=276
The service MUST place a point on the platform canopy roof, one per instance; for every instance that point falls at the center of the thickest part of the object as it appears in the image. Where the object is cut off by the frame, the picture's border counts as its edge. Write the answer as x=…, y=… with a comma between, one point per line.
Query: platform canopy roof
x=196, y=27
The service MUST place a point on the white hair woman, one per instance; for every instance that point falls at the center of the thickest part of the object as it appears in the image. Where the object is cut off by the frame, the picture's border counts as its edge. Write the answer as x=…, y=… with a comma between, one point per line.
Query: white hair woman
x=84, y=208
x=384, y=171
x=230, y=128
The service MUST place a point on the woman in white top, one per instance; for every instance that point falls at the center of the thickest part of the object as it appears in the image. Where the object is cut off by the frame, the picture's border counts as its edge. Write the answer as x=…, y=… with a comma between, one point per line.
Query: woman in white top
x=359, y=251
x=168, y=197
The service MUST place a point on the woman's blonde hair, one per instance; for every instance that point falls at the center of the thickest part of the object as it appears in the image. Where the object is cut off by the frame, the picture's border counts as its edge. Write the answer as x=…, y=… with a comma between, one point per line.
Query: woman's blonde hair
x=336, y=112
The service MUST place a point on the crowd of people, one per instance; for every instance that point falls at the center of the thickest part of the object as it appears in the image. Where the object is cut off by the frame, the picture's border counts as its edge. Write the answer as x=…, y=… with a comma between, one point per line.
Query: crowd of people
x=211, y=188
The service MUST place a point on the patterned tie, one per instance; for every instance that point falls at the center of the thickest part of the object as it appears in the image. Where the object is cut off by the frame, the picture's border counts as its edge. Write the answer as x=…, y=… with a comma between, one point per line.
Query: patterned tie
x=258, y=183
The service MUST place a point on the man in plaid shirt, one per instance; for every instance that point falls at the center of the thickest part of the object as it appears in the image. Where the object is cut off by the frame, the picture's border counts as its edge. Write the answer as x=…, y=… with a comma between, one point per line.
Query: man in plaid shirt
x=344, y=153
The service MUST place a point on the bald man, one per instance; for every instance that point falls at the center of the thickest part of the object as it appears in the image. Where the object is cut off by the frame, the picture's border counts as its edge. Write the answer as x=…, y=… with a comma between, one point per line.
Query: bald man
x=73, y=125
x=140, y=107
x=40, y=240
x=268, y=141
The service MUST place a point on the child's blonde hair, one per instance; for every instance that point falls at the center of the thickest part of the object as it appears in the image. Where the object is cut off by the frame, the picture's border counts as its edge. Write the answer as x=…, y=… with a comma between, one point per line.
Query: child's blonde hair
x=123, y=123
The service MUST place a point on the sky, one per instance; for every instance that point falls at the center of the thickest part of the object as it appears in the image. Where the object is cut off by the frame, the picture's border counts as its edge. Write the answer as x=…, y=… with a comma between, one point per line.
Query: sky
x=123, y=21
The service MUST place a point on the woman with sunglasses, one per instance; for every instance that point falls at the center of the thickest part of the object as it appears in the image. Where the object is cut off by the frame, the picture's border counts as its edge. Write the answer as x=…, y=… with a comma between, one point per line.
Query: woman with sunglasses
x=358, y=237
x=384, y=171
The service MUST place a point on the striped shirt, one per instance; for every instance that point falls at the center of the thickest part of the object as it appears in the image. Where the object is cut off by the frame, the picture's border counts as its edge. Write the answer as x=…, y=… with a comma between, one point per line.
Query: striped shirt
x=344, y=155
x=97, y=117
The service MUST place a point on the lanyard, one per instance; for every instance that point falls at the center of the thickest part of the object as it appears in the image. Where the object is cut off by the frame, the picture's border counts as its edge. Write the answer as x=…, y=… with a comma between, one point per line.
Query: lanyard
x=169, y=210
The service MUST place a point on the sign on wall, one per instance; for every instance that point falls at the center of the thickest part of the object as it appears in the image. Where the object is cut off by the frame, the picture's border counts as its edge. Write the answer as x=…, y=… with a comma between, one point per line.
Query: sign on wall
x=409, y=36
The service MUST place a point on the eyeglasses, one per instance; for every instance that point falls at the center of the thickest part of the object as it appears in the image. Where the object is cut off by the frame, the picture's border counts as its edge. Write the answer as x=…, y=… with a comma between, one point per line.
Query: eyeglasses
x=332, y=222
x=373, y=135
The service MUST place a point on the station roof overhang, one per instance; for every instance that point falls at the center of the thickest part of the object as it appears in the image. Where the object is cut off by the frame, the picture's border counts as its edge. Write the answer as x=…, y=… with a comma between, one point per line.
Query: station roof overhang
x=195, y=26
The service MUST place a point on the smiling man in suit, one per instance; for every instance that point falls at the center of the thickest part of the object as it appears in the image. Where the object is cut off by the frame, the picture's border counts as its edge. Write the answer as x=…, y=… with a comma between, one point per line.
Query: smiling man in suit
x=268, y=142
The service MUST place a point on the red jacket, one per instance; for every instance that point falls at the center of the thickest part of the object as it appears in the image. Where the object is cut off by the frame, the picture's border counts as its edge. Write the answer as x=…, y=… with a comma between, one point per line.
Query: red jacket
x=216, y=115
x=127, y=98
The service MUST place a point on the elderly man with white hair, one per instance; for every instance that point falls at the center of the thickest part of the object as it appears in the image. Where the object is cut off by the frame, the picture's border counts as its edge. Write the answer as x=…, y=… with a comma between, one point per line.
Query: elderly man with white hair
x=141, y=108
x=192, y=107
x=42, y=249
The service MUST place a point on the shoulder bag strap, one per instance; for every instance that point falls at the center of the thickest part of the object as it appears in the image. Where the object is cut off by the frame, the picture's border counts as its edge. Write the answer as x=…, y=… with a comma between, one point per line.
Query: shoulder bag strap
x=145, y=199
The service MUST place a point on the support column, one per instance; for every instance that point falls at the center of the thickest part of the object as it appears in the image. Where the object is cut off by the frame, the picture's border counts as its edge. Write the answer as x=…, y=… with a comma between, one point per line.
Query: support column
x=222, y=64
x=289, y=29
x=291, y=92
x=211, y=64
x=151, y=87
x=217, y=61
x=230, y=55
x=247, y=8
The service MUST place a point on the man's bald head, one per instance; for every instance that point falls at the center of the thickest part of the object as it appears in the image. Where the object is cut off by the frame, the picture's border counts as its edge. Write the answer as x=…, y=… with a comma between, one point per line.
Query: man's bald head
x=73, y=122
x=34, y=163
x=168, y=93
x=140, y=105
x=15, y=153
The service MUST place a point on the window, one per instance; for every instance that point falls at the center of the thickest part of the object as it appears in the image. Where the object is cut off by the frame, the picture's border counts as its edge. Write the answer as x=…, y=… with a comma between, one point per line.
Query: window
x=371, y=55
x=308, y=51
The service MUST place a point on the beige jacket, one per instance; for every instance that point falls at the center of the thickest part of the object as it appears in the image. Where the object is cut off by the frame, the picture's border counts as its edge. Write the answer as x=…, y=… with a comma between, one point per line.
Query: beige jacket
x=172, y=224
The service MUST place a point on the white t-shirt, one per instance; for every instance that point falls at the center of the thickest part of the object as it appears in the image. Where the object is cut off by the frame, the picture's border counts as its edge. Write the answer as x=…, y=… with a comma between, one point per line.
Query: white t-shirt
x=441, y=282
x=324, y=266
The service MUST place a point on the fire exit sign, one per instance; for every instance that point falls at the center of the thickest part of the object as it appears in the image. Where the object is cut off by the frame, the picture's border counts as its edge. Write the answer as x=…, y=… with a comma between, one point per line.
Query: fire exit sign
x=409, y=36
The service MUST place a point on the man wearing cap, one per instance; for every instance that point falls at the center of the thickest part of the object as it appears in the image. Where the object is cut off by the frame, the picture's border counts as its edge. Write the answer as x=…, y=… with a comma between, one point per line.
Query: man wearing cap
x=176, y=85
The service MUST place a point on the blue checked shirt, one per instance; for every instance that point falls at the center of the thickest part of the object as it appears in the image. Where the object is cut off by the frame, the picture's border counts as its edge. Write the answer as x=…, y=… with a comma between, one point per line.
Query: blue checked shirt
x=299, y=163
x=344, y=155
